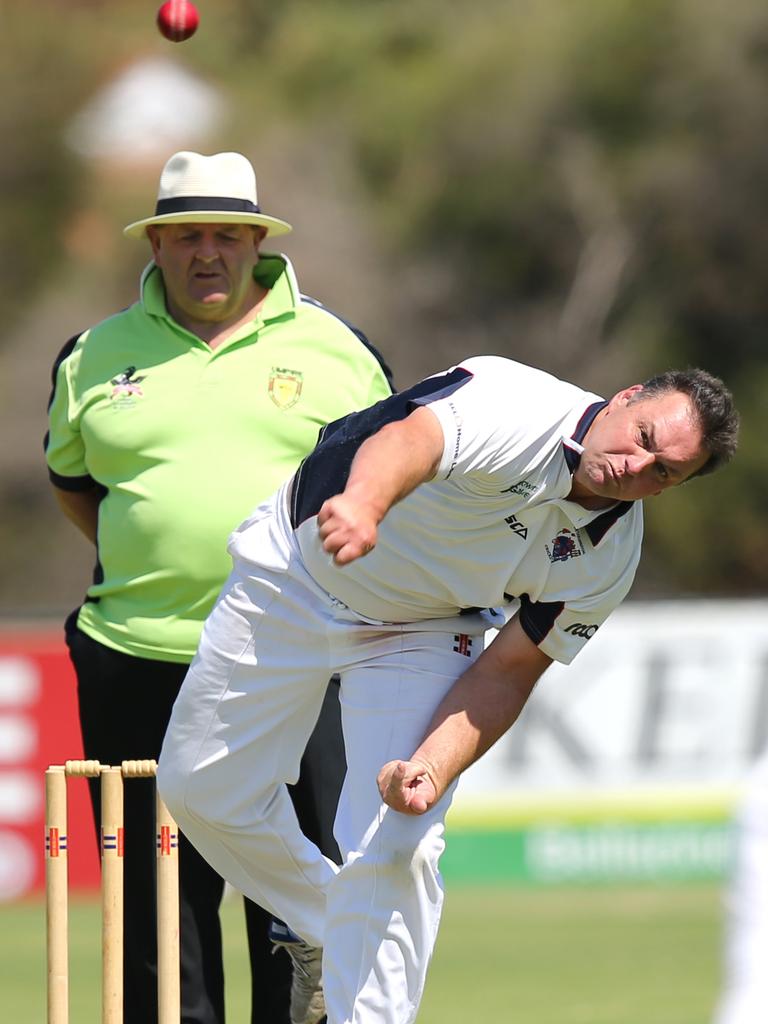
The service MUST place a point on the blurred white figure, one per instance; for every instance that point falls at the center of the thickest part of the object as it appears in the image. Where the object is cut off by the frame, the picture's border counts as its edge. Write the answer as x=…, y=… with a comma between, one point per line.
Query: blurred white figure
x=744, y=998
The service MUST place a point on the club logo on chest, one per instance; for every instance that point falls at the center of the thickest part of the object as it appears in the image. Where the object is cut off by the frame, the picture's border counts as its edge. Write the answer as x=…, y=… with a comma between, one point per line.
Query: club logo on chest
x=565, y=545
x=285, y=387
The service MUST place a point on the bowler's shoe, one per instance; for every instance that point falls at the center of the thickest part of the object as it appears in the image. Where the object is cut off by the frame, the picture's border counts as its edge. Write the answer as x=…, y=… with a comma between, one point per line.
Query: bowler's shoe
x=307, y=1002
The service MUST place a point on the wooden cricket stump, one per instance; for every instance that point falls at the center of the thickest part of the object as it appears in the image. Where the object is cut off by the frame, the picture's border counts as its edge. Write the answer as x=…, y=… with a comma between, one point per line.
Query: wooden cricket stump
x=167, y=851
x=56, y=895
x=111, y=780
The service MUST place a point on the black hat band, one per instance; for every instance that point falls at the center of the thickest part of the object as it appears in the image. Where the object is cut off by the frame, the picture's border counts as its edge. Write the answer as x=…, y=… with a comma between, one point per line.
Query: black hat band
x=191, y=204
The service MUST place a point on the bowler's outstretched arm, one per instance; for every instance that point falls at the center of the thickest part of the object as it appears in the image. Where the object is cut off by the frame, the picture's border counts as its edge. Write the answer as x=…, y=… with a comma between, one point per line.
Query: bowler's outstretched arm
x=478, y=709
x=387, y=467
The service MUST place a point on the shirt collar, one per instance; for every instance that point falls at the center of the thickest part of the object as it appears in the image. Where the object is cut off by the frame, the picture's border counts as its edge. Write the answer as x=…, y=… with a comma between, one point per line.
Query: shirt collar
x=572, y=446
x=274, y=272
x=599, y=526
x=152, y=291
x=596, y=522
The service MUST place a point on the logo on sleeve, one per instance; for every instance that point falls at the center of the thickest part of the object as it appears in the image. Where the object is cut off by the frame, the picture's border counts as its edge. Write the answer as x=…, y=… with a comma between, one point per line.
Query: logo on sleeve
x=583, y=629
x=564, y=546
x=285, y=387
x=125, y=387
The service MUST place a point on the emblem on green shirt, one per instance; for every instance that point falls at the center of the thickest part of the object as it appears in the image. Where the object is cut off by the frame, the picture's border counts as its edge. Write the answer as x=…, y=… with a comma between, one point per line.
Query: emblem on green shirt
x=126, y=387
x=285, y=387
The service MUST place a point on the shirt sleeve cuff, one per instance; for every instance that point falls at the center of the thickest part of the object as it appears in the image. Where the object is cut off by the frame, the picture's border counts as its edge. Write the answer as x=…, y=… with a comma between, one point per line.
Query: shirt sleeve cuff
x=71, y=483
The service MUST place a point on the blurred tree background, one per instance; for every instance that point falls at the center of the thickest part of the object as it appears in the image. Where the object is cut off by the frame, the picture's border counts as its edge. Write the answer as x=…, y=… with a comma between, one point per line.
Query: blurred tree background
x=581, y=184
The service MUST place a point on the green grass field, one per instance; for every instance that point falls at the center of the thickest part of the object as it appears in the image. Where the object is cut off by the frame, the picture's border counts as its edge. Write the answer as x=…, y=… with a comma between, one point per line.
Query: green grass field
x=610, y=955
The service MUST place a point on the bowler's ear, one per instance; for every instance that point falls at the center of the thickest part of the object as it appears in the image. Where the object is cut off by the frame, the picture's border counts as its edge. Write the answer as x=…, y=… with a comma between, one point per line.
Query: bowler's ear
x=623, y=397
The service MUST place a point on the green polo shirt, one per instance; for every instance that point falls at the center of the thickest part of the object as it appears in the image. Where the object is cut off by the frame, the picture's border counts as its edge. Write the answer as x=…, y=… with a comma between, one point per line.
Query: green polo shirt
x=187, y=441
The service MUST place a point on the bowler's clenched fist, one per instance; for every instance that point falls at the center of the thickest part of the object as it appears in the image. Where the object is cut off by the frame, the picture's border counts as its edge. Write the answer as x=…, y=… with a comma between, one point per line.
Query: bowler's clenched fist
x=407, y=786
x=347, y=528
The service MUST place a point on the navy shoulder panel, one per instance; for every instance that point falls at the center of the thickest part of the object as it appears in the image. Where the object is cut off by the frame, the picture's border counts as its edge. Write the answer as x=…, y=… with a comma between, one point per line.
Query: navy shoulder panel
x=324, y=472
x=66, y=350
x=57, y=363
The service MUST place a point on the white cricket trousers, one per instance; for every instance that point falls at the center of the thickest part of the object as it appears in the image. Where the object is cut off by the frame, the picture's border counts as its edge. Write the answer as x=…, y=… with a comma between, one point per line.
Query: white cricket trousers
x=236, y=736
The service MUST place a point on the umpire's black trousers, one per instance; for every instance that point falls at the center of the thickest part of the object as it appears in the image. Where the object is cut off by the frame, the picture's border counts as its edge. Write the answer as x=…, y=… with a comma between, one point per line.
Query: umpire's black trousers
x=125, y=703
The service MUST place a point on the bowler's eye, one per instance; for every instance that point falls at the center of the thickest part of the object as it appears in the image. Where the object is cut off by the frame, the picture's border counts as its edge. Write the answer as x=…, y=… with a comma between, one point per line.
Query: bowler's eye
x=661, y=471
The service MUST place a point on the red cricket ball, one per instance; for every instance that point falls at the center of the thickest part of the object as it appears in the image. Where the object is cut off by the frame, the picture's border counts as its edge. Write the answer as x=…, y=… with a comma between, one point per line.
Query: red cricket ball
x=178, y=20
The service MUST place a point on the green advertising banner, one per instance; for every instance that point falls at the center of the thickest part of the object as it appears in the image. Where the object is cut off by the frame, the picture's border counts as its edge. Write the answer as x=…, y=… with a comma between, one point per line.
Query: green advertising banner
x=546, y=855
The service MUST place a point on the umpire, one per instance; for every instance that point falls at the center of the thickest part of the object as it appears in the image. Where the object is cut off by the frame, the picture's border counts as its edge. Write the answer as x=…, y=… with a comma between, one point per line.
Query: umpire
x=168, y=423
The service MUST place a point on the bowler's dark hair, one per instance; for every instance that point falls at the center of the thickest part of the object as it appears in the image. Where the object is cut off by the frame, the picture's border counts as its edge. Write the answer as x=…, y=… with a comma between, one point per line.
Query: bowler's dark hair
x=712, y=405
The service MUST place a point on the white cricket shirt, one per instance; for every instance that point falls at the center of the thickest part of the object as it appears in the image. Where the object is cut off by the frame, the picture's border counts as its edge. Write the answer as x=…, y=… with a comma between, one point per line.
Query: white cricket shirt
x=494, y=526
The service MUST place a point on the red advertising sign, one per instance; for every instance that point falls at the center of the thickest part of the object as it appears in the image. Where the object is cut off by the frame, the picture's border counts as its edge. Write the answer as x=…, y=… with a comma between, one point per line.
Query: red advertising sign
x=39, y=727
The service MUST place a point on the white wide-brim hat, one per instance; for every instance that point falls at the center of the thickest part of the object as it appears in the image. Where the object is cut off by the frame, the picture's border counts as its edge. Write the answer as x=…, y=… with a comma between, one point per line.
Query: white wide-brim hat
x=218, y=189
